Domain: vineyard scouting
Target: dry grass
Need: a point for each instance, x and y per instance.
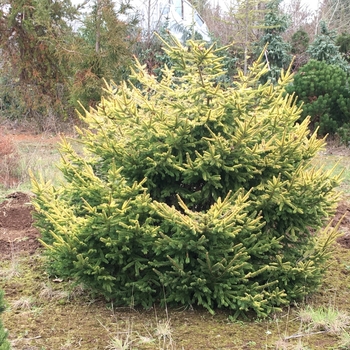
(23, 304)
(324, 319)
(9, 162)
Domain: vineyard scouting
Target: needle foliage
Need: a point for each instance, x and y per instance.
(192, 193)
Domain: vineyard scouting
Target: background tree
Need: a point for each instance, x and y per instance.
(151, 53)
(192, 192)
(250, 15)
(239, 25)
(336, 13)
(33, 70)
(219, 24)
(200, 5)
(277, 51)
(4, 344)
(343, 41)
(102, 51)
(324, 48)
(300, 17)
(323, 91)
(299, 45)
(322, 86)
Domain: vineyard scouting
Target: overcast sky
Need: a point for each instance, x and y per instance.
(311, 4)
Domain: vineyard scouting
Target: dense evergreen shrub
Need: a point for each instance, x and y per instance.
(324, 48)
(277, 50)
(343, 41)
(4, 344)
(299, 43)
(323, 91)
(191, 193)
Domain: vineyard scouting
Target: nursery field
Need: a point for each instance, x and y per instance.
(46, 312)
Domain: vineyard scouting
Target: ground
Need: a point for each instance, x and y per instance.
(17, 233)
(18, 236)
(344, 210)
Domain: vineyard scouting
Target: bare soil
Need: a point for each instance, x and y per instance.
(17, 234)
(343, 213)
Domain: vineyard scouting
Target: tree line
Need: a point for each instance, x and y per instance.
(56, 56)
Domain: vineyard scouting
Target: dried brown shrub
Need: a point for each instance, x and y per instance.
(9, 162)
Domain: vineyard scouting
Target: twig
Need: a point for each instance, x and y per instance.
(37, 337)
(303, 335)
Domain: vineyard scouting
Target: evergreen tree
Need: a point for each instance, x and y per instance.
(343, 41)
(322, 86)
(277, 50)
(324, 95)
(189, 192)
(33, 70)
(324, 48)
(102, 51)
(4, 344)
(299, 44)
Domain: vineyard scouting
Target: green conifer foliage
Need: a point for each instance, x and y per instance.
(4, 344)
(324, 48)
(191, 193)
(102, 50)
(276, 49)
(299, 42)
(322, 90)
(34, 67)
(343, 41)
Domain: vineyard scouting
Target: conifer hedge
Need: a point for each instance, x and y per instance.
(188, 192)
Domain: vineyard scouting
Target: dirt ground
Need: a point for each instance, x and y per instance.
(19, 236)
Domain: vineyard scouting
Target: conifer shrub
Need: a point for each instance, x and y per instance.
(343, 41)
(322, 91)
(191, 193)
(324, 48)
(4, 344)
(299, 41)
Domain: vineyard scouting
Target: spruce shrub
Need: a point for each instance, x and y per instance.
(4, 344)
(323, 92)
(324, 48)
(191, 193)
